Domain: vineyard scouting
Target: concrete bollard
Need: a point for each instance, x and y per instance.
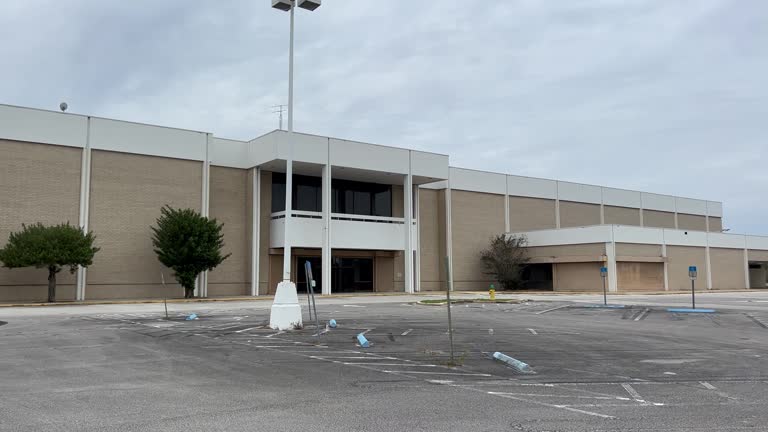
(515, 363)
(332, 323)
(363, 341)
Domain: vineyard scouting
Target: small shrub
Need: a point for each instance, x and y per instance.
(505, 259)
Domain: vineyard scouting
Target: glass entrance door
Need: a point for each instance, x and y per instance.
(317, 268)
(352, 275)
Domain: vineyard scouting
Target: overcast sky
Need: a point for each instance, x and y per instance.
(663, 96)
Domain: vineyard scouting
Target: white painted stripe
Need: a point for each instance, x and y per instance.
(275, 334)
(642, 314)
(552, 406)
(392, 364)
(357, 306)
(405, 333)
(632, 392)
(533, 331)
(245, 330)
(366, 331)
(438, 373)
(553, 309)
(708, 385)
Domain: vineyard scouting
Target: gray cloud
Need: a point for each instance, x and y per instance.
(665, 96)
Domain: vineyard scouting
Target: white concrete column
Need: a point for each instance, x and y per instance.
(666, 266)
(708, 263)
(408, 216)
(327, 251)
(747, 283)
(610, 253)
(417, 256)
(557, 205)
(288, 210)
(85, 200)
(201, 284)
(449, 233)
(506, 205)
(255, 230)
(602, 208)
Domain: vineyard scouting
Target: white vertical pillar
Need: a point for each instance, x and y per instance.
(557, 205)
(288, 211)
(610, 252)
(506, 205)
(85, 198)
(255, 230)
(708, 263)
(327, 251)
(417, 255)
(666, 260)
(449, 233)
(408, 213)
(201, 284)
(602, 208)
(747, 283)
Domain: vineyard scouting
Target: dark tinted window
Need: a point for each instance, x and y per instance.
(350, 197)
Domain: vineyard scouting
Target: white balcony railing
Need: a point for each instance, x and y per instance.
(348, 231)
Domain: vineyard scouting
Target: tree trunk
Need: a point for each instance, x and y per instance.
(51, 284)
(189, 292)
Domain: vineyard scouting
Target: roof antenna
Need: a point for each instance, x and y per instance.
(63, 106)
(279, 109)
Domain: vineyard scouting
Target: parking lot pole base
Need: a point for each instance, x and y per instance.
(687, 310)
(286, 312)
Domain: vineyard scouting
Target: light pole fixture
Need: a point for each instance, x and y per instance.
(285, 309)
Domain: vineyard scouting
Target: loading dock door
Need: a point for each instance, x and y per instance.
(640, 276)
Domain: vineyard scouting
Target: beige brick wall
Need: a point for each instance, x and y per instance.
(637, 250)
(758, 255)
(727, 268)
(658, 219)
(715, 224)
(528, 214)
(680, 257)
(384, 274)
(432, 239)
(621, 216)
(228, 204)
(640, 276)
(38, 183)
(573, 214)
(127, 192)
(691, 222)
(476, 218)
(577, 276)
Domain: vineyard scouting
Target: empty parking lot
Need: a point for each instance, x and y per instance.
(638, 368)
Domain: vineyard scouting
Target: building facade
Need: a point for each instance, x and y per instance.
(368, 218)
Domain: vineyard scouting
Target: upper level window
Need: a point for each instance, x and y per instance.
(350, 197)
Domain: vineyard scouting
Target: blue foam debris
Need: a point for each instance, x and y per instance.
(688, 310)
(511, 361)
(363, 341)
(191, 317)
(332, 323)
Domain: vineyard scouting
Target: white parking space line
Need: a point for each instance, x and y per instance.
(533, 331)
(567, 408)
(392, 364)
(275, 334)
(642, 314)
(707, 385)
(405, 333)
(245, 330)
(632, 392)
(439, 373)
(552, 309)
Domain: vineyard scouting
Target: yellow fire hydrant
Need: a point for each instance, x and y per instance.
(492, 292)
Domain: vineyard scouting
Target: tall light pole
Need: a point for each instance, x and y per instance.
(286, 312)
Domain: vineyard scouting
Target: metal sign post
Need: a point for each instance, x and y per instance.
(311, 294)
(604, 275)
(448, 299)
(692, 274)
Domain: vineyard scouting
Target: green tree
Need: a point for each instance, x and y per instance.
(52, 247)
(505, 260)
(187, 243)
